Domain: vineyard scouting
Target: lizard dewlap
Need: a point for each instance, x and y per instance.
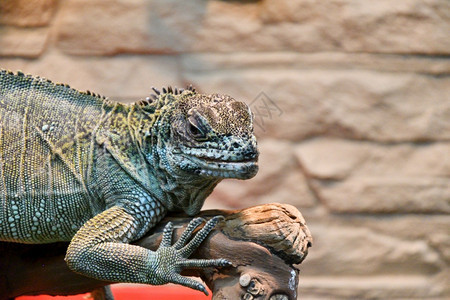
(77, 167)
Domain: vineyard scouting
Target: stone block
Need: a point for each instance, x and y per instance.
(155, 26)
(336, 159)
(352, 176)
(331, 159)
(355, 104)
(95, 27)
(433, 229)
(410, 26)
(27, 13)
(125, 78)
(382, 257)
(371, 287)
(385, 63)
(23, 42)
(387, 194)
(344, 249)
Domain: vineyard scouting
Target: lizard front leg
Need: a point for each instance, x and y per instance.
(173, 258)
(100, 250)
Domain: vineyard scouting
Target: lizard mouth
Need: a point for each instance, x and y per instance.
(222, 168)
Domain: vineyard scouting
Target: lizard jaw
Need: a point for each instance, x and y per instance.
(208, 167)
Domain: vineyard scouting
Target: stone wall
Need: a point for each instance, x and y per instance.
(352, 105)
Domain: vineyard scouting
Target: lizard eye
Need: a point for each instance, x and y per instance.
(194, 130)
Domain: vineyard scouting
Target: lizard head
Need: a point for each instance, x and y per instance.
(213, 136)
(209, 135)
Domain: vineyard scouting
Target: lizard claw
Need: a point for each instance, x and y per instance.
(171, 259)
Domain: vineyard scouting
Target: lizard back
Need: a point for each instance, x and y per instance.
(45, 135)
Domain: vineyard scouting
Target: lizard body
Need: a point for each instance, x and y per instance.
(77, 167)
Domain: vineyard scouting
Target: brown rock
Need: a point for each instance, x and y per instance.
(376, 256)
(400, 261)
(336, 159)
(231, 26)
(387, 195)
(367, 177)
(26, 13)
(331, 158)
(411, 26)
(356, 104)
(232, 62)
(435, 230)
(94, 27)
(125, 78)
(24, 42)
(349, 250)
(372, 287)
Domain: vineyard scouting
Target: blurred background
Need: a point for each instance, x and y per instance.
(352, 113)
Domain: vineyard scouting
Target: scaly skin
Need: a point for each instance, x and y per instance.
(77, 167)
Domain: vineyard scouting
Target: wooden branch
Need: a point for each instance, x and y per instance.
(264, 243)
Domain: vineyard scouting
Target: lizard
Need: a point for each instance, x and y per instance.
(78, 167)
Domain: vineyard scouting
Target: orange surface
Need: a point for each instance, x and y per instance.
(136, 292)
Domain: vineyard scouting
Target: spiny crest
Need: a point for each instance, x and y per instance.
(93, 94)
(165, 90)
(48, 81)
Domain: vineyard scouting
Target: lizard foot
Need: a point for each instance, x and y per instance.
(171, 259)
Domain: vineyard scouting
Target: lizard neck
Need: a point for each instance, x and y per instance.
(182, 190)
(138, 141)
(185, 194)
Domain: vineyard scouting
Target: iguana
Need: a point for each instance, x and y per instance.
(78, 167)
